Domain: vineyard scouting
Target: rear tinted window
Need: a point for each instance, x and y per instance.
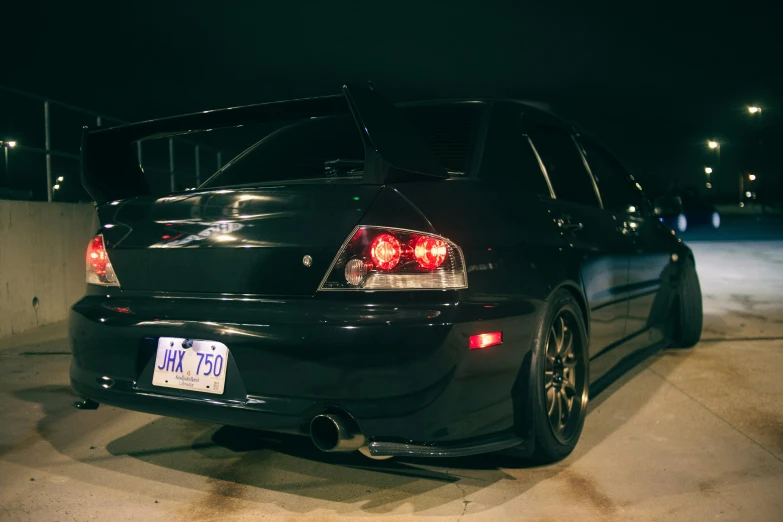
(331, 147)
(508, 159)
(564, 166)
(450, 131)
(327, 147)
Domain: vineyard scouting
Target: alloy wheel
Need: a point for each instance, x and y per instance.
(564, 384)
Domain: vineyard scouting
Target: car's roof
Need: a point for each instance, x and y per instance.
(538, 109)
(531, 105)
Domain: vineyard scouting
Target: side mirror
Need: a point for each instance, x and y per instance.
(668, 206)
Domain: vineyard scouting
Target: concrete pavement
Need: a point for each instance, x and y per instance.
(686, 434)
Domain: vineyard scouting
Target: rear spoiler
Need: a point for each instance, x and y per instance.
(394, 150)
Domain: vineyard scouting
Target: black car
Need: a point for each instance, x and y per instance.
(430, 279)
(687, 211)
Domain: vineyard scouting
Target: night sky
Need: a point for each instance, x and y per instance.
(652, 82)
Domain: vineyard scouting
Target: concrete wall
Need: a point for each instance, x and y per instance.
(42, 249)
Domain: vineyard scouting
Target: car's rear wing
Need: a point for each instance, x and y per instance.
(394, 150)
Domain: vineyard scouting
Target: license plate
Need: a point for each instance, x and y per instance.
(200, 366)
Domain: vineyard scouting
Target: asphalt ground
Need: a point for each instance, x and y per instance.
(683, 435)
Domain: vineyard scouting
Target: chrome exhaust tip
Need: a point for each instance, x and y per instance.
(86, 404)
(331, 432)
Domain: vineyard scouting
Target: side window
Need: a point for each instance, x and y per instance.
(450, 132)
(509, 160)
(564, 166)
(618, 192)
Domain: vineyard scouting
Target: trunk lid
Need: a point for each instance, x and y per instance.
(237, 241)
(297, 191)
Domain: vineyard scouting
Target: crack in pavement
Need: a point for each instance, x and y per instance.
(465, 501)
(697, 401)
(729, 339)
(44, 353)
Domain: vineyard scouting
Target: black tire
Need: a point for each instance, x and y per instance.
(688, 314)
(549, 444)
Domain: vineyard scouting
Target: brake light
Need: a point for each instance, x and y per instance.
(430, 252)
(378, 258)
(385, 251)
(485, 340)
(99, 268)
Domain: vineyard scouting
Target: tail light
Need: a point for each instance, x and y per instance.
(99, 269)
(378, 258)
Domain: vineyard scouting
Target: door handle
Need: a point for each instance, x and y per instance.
(627, 230)
(569, 226)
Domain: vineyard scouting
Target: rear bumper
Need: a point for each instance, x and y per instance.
(402, 369)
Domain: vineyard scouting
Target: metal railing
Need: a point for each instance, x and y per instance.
(64, 161)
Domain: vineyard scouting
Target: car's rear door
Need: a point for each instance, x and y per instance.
(590, 231)
(650, 250)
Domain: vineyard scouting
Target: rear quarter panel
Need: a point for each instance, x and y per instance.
(511, 244)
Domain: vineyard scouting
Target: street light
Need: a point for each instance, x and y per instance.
(708, 170)
(60, 179)
(752, 177)
(754, 110)
(7, 145)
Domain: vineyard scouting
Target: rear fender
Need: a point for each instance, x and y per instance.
(392, 209)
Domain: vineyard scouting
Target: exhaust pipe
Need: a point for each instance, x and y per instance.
(86, 404)
(333, 432)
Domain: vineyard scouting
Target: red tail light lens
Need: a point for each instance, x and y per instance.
(385, 251)
(430, 252)
(378, 258)
(99, 268)
(485, 340)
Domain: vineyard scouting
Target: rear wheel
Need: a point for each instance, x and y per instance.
(688, 315)
(560, 379)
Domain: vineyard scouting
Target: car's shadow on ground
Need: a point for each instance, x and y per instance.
(242, 463)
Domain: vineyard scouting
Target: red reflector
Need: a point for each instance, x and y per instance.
(485, 340)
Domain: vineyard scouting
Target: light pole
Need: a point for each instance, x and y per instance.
(742, 190)
(7, 145)
(752, 181)
(751, 193)
(755, 112)
(714, 145)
